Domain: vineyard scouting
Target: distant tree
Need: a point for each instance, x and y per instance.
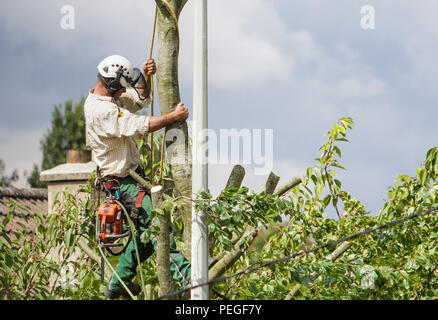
(5, 180)
(66, 132)
(34, 178)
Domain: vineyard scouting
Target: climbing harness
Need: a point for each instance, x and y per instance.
(114, 223)
(111, 221)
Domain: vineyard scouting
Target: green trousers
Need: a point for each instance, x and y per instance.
(127, 265)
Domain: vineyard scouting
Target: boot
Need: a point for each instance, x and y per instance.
(133, 287)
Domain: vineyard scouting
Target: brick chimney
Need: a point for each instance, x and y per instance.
(69, 176)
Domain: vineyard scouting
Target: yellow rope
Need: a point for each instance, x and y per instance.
(152, 95)
(175, 19)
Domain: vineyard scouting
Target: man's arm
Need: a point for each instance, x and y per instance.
(181, 113)
(149, 69)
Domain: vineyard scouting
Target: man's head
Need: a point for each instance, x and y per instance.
(116, 73)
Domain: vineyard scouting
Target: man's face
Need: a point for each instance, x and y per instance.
(119, 93)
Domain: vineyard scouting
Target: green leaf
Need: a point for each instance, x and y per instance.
(168, 205)
(67, 237)
(326, 200)
(158, 212)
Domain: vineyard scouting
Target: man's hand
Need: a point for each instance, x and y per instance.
(181, 113)
(144, 87)
(149, 67)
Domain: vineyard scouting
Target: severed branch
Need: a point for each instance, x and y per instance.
(281, 191)
(234, 180)
(332, 257)
(145, 184)
(230, 258)
(93, 256)
(236, 177)
(271, 183)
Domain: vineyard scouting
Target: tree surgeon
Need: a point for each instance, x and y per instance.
(112, 130)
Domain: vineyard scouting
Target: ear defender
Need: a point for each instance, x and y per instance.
(114, 84)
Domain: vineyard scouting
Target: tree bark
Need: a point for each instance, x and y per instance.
(96, 258)
(271, 183)
(163, 245)
(287, 186)
(236, 177)
(177, 138)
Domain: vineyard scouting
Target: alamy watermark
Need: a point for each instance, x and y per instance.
(68, 18)
(368, 20)
(254, 147)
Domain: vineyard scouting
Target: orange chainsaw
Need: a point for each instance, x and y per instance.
(111, 226)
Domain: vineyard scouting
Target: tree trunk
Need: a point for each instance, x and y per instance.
(163, 245)
(177, 138)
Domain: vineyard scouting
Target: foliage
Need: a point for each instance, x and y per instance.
(396, 263)
(67, 132)
(160, 168)
(399, 262)
(37, 265)
(6, 180)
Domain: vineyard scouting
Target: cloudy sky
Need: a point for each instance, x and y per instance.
(292, 66)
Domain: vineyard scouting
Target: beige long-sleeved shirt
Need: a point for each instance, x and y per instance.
(112, 130)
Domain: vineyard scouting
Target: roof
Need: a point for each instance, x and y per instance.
(69, 172)
(33, 199)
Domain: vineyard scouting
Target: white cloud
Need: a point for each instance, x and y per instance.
(244, 49)
(298, 73)
(359, 86)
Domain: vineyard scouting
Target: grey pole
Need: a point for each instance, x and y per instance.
(199, 272)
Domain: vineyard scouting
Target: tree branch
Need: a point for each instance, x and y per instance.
(287, 186)
(339, 251)
(236, 177)
(271, 183)
(95, 257)
(230, 258)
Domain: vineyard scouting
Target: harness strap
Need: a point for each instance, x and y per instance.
(140, 196)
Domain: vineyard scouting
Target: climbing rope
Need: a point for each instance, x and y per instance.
(131, 226)
(162, 4)
(111, 267)
(152, 95)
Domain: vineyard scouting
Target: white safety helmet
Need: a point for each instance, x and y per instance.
(118, 68)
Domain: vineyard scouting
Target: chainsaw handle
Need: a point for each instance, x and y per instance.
(118, 236)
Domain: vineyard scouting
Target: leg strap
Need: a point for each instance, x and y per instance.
(140, 196)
